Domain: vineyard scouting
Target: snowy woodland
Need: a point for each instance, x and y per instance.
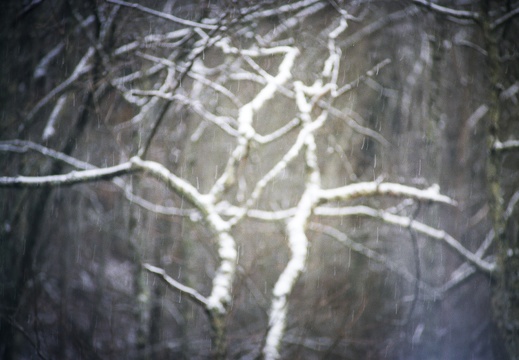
(301, 179)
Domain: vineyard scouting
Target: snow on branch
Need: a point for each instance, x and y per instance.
(280, 10)
(373, 255)
(285, 129)
(151, 39)
(163, 15)
(370, 73)
(22, 146)
(298, 243)
(510, 145)
(506, 17)
(308, 8)
(407, 222)
(41, 69)
(296, 226)
(82, 68)
(247, 111)
(225, 123)
(290, 155)
(50, 130)
(220, 296)
(190, 292)
(180, 186)
(357, 190)
(460, 14)
(217, 87)
(222, 283)
(71, 178)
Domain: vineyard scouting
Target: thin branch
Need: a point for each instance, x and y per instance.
(41, 69)
(309, 7)
(74, 177)
(285, 129)
(370, 73)
(404, 221)
(33, 343)
(225, 123)
(417, 264)
(349, 118)
(82, 68)
(193, 214)
(190, 292)
(154, 39)
(363, 189)
(373, 255)
(162, 15)
(459, 14)
(22, 146)
(380, 24)
(198, 48)
(219, 88)
(50, 130)
(503, 19)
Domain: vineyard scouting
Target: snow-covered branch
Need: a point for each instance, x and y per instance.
(247, 111)
(296, 226)
(460, 14)
(364, 189)
(505, 18)
(291, 154)
(21, 146)
(419, 227)
(298, 243)
(71, 178)
(192, 293)
(180, 186)
(363, 250)
(510, 145)
(162, 15)
(83, 66)
(222, 282)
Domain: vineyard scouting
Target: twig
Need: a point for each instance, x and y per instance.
(373, 255)
(459, 14)
(162, 15)
(482, 265)
(27, 336)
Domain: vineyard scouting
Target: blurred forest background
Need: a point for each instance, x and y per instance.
(136, 266)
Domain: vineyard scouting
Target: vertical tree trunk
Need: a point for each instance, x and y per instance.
(506, 287)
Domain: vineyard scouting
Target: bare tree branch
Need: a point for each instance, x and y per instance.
(459, 14)
(162, 15)
(506, 17)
